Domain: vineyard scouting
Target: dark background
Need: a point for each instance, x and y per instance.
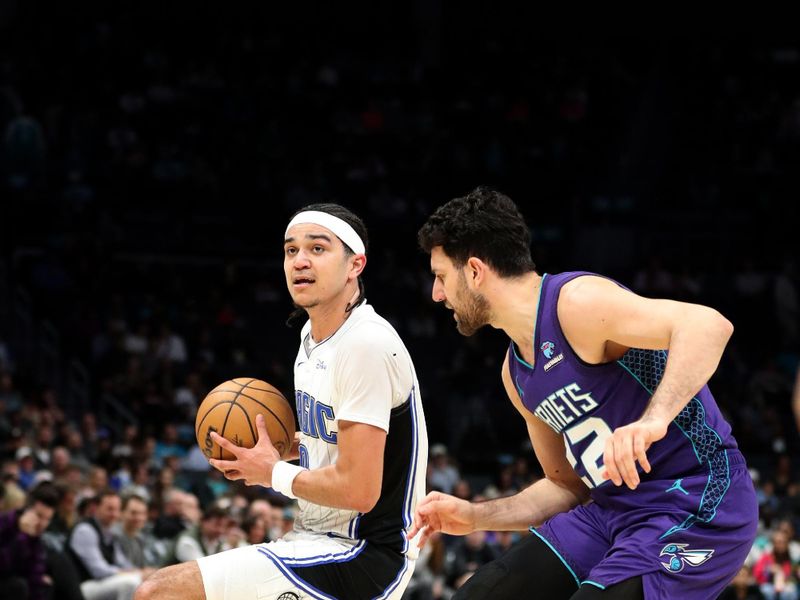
(151, 156)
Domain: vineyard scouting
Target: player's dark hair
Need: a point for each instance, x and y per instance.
(485, 224)
(46, 493)
(349, 217)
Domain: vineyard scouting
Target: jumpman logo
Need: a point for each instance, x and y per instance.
(677, 486)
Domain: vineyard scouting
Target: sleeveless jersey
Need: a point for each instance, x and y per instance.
(362, 373)
(586, 403)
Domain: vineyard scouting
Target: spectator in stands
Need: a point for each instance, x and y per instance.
(135, 545)
(775, 572)
(13, 496)
(105, 571)
(190, 509)
(442, 475)
(22, 553)
(743, 587)
(170, 522)
(59, 463)
(168, 444)
(66, 512)
(470, 553)
(255, 530)
(27, 469)
(204, 539)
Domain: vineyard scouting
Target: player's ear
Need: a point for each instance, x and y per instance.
(475, 271)
(359, 262)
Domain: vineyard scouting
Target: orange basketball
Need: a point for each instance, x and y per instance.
(230, 409)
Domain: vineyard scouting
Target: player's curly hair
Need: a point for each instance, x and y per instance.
(352, 219)
(485, 224)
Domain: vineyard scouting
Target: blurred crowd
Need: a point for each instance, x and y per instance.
(146, 181)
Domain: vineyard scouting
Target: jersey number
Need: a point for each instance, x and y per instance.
(303, 456)
(592, 457)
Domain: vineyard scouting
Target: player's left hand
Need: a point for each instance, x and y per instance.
(626, 446)
(255, 464)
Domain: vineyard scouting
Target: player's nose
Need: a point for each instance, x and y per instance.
(437, 293)
(302, 260)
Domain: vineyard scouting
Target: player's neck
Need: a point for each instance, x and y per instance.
(515, 307)
(326, 318)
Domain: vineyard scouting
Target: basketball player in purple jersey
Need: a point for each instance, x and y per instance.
(645, 493)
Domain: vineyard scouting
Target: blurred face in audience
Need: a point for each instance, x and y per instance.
(134, 516)
(261, 508)
(41, 515)
(166, 478)
(74, 476)
(190, 508)
(214, 528)
(108, 510)
(780, 544)
(75, 440)
(173, 503)
(45, 437)
(98, 479)
(257, 532)
(786, 528)
(60, 459)
(26, 464)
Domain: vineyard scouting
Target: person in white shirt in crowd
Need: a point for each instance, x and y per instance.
(105, 571)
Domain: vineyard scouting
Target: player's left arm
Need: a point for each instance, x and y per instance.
(354, 481)
(600, 319)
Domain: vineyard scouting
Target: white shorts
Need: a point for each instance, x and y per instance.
(305, 565)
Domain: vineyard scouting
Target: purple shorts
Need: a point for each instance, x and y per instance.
(687, 538)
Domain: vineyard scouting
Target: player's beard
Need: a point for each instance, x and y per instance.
(473, 312)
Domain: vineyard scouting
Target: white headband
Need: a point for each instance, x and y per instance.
(341, 228)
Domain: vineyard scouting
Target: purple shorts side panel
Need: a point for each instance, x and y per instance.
(636, 534)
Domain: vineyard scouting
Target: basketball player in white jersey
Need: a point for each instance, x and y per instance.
(362, 443)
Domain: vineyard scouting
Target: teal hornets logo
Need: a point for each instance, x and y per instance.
(679, 557)
(547, 349)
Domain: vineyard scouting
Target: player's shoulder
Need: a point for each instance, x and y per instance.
(583, 292)
(369, 329)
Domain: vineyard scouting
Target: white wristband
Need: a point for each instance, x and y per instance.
(283, 474)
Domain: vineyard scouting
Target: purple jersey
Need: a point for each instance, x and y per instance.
(628, 532)
(586, 403)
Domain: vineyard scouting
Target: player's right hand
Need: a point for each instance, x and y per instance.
(442, 512)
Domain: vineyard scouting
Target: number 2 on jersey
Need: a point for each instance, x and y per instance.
(592, 456)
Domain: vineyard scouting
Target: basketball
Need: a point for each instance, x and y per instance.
(230, 410)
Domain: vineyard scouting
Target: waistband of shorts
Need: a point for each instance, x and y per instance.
(736, 458)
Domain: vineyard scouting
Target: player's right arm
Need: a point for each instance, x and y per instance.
(560, 490)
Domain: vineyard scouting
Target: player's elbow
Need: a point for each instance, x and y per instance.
(725, 327)
(713, 323)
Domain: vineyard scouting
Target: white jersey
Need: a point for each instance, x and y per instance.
(362, 373)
